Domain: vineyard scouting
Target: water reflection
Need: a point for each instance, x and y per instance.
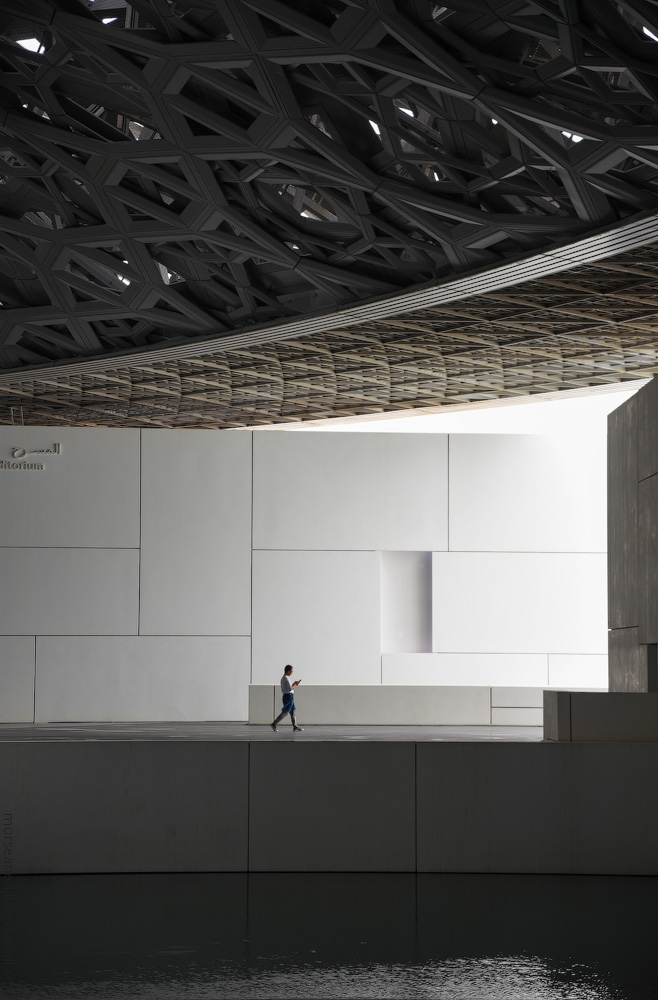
(452, 937)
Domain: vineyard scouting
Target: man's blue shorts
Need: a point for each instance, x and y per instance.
(288, 703)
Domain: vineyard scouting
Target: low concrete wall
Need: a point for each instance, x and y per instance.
(330, 806)
(396, 705)
(594, 717)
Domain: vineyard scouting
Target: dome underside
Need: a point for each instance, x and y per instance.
(175, 171)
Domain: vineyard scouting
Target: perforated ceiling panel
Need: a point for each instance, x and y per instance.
(593, 325)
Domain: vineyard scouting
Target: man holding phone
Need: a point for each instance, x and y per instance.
(288, 689)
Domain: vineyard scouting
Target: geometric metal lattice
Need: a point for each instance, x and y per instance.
(590, 326)
(176, 169)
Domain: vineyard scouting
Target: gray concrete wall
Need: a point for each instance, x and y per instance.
(567, 808)
(600, 717)
(121, 807)
(331, 806)
(633, 542)
(622, 516)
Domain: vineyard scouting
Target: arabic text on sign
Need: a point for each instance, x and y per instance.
(21, 452)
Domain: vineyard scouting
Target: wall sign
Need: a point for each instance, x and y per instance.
(19, 455)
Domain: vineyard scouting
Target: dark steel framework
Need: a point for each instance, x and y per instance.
(593, 325)
(176, 169)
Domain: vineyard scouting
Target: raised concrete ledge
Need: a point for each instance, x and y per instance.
(600, 717)
(378, 705)
(397, 705)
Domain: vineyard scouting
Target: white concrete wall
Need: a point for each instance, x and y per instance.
(17, 667)
(69, 591)
(331, 491)
(403, 704)
(196, 533)
(125, 575)
(133, 678)
(87, 496)
(153, 574)
(527, 493)
(509, 669)
(318, 611)
(502, 602)
(585, 671)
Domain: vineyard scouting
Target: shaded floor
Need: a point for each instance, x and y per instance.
(238, 731)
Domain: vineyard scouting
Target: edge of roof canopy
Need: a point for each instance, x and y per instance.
(608, 242)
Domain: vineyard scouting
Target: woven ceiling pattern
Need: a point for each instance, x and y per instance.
(175, 169)
(593, 325)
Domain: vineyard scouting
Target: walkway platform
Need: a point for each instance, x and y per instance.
(228, 732)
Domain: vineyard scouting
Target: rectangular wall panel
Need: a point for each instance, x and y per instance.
(16, 678)
(196, 532)
(578, 671)
(614, 717)
(86, 495)
(68, 591)
(325, 793)
(142, 678)
(380, 705)
(519, 602)
(517, 697)
(491, 807)
(350, 491)
(517, 716)
(601, 716)
(537, 808)
(522, 493)
(611, 782)
(648, 560)
(318, 611)
(414, 497)
(623, 515)
(128, 806)
(528, 669)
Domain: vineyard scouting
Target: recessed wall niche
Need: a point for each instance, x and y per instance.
(406, 602)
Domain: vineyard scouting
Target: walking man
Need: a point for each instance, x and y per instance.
(288, 689)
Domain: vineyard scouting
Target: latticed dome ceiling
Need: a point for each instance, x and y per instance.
(174, 171)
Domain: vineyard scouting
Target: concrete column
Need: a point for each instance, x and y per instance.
(633, 543)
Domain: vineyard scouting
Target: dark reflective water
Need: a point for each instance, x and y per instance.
(453, 937)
